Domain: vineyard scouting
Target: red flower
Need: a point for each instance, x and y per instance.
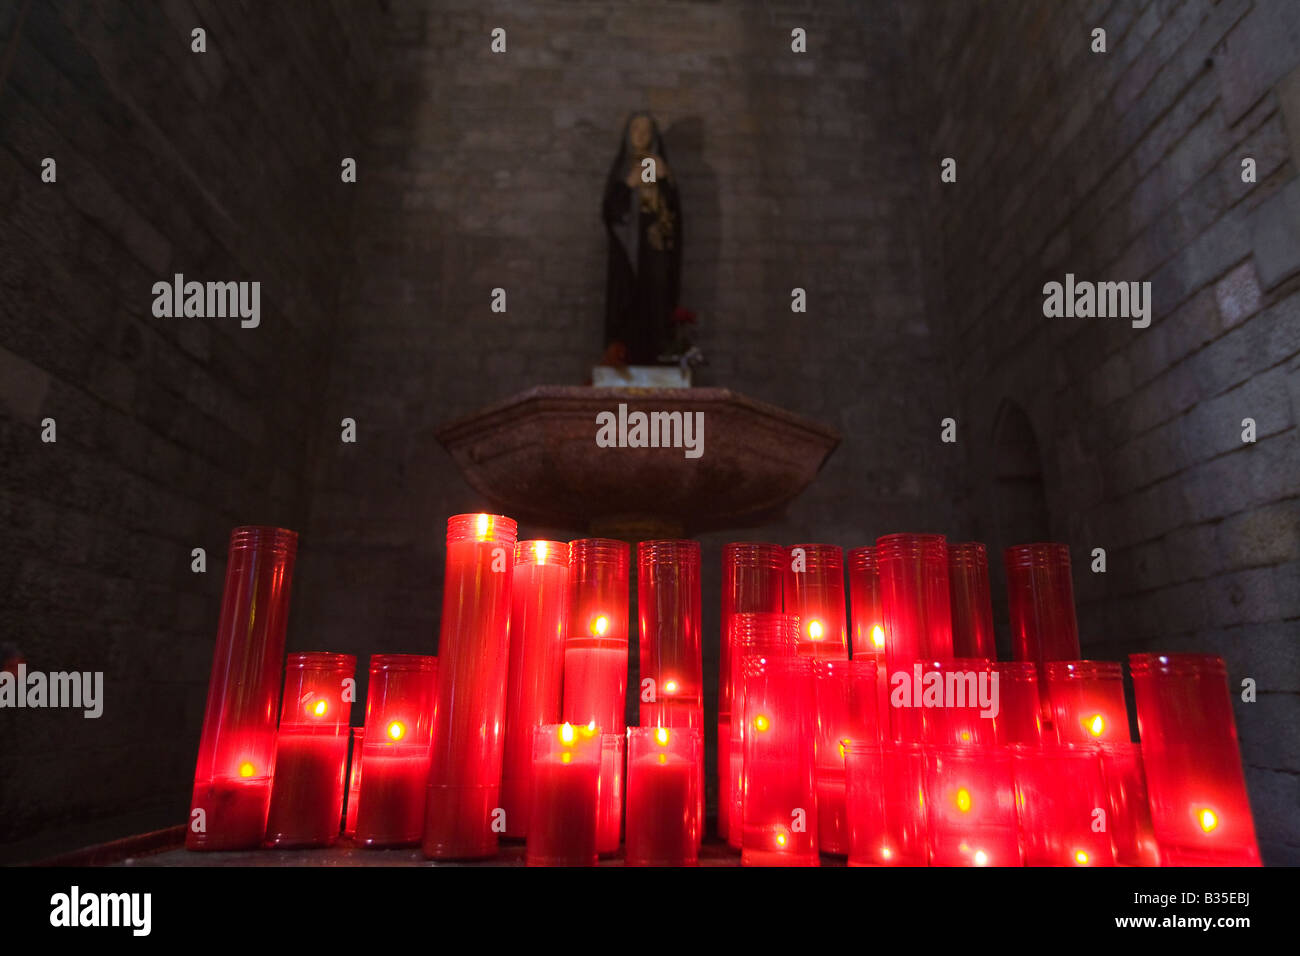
(683, 316)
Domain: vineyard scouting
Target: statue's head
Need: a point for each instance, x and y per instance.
(640, 132)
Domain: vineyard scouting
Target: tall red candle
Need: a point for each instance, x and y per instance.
(971, 600)
(1063, 806)
(1087, 701)
(780, 803)
(401, 702)
(236, 762)
(596, 649)
(885, 804)
(473, 663)
(971, 807)
(538, 614)
(1019, 719)
(761, 635)
(1040, 606)
(312, 750)
(662, 778)
(566, 785)
(1199, 805)
(354, 781)
(752, 582)
(915, 602)
(867, 623)
(609, 812)
(668, 605)
(814, 592)
(1131, 829)
(845, 696)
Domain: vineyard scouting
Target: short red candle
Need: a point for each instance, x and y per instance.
(885, 805)
(473, 664)
(915, 602)
(1019, 719)
(1040, 606)
(1199, 805)
(780, 802)
(752, 582)
(662, 779)
(867, 623)
(845, 695)
(401, 701)
(566, 787)
(814, 592)
(609, 825)
(312, 750)
(1087, 701)
(538, 614)
(354, 781)
(971, 807)
(1130, 813)
(971, 600)
(760, 634)
(1063, 806)
(236, 762)
(970, 702)
(596, 649)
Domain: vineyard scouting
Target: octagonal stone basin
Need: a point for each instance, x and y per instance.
(535, 457)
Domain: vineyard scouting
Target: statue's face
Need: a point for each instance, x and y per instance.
(639, 133)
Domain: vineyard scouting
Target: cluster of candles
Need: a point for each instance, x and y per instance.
(890, 736)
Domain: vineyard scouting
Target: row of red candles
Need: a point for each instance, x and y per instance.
(893, 784)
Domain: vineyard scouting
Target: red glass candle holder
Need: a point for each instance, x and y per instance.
(845, 696)
(354, 781)
(538, 613)
(566, 789)
(752, 582)
(814, 592)
(761, 635)
(1131, 830)
(1040, 606)
(867, 624)
(596, 649)
(780, 802)
(662, 780)
(885, 805)
(1063, 806)
(968, 695)
(1087, 701)
(236, 762)
(915, 602)
(311, 754)
(971, 601)
(1197, 790)
(609, 828)
(473, 655)
(668, 604)
(1020, 717)
(971, 807)
(400, 704)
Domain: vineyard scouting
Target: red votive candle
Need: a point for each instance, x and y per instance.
(662, 779)
(400, 705)
(845, 695)
(596, 649)
(473, 663)
(354, 782)
(1040, 606)
(566, 788)
(972, 807)
(1063, 806)
(311, 754)
(814, 592)
(1130, 813)
(867, 623)
(752, 582)
(668, 604)
(762, 635)
(609, 825)
(1087, 701)
(1195, 783)
(959, 701)
(1019, 719)
(780, 801)
(886, 804)
(971, 600)
(236, 763)
(914, 599)
(538, 612)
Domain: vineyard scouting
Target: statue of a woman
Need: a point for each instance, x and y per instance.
(644, 223)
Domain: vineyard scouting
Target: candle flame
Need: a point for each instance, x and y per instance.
(1208, 819)
(761, 724)
(246, 769)
(663, 759)
(844, 743)
(981, 858)
(539, 551)
(878, 636)
(566, 757)
(600, 625)
(963, 800)
(320, 708)
(396, 730)
(670, 687)
(781, 839)
(661, 735)
(566, 733)
(815, 630)
(1080, 857)
(886, 853)
(484, 526)
(1095, 725)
